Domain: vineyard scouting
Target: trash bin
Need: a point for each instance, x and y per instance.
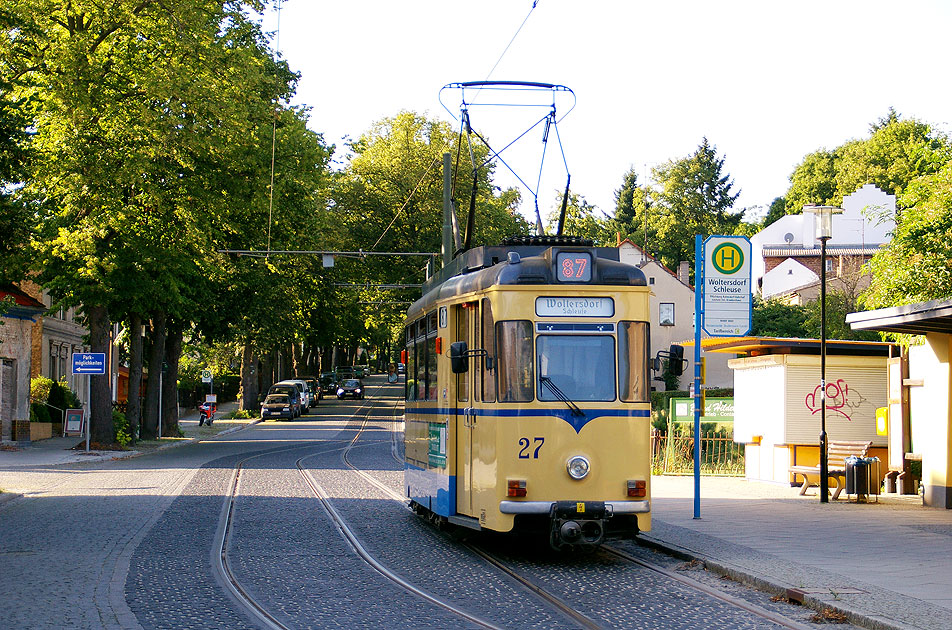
(857, 476)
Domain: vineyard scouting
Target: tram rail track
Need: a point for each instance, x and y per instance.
(566, 608)
(363, 416)
(261, 611)
(220, 561)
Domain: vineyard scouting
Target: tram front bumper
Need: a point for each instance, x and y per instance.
(545, 507)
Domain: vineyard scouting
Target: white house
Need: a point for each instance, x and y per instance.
(865, 225)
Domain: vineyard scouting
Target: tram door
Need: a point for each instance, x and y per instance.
(465, 419)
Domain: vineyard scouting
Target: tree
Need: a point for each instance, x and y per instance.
(777, 210)
(389, 198)
(896, 153)
(916, 265)
(582, 219)
(631, 210)
(773, 318)
(16, 220)
(135, 105)
(695, 198)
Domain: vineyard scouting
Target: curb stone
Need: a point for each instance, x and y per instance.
(761, 584)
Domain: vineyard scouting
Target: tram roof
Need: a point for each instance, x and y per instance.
(755, 346)
(483, 267)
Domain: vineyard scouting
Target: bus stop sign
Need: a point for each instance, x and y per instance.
(727, 296)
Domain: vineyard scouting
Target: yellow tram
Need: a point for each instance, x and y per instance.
(527, 393)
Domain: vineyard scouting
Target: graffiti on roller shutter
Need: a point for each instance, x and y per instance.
(839, 399)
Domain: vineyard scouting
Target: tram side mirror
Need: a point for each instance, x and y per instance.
(656, 364)
(490, 363)
(458, 360)
(676, 359)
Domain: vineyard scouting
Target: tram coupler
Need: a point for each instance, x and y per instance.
(577, 523)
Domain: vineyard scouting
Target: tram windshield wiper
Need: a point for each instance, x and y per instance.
(558, 393)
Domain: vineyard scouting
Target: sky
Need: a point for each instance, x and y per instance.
(766, 82)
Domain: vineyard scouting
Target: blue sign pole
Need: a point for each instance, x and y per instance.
(698, 319)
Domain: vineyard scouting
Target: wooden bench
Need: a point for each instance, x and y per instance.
(837, 452)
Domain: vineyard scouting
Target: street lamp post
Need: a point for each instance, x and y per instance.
(824, 231)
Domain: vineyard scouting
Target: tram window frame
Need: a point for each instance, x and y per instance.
(421, 362)
(572, 378)
(488, 341)
(431, 378)
(629, 388)
(409, 384)
(462, 334)
(510, 362)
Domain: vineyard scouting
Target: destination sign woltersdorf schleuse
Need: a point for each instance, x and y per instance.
(727, 286)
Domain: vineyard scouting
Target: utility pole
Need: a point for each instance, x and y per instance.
(447, 210)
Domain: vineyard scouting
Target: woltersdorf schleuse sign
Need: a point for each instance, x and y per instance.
(727, 287)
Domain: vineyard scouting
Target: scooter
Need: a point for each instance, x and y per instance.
(206, 413)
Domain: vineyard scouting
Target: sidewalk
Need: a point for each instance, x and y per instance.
(885, 565)
(59, 450)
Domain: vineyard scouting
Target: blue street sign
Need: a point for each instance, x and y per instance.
(89, 363)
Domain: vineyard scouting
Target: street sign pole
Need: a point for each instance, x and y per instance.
(89, 407)
(89, 363)
(723, 307)
(698, 319)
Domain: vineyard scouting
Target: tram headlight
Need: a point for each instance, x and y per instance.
(577, 467)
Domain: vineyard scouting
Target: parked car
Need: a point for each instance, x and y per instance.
(314, 387)
(294, 396)
(306, 401)
(350, 387)
(345, 372)
(277, 406)
(328, 383)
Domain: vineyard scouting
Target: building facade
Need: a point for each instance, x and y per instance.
(786, 255)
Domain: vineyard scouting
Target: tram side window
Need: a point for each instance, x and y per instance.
(489, 344)
(420, 372)
(428, 328)
(410, 384)
(514, 365)
(462, 334)
(633, 361)
(431, 382)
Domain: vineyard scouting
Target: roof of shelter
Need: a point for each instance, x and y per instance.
(912, 319)
(756, 346)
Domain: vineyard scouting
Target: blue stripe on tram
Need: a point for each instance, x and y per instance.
(577, 422)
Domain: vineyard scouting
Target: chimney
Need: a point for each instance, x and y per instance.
(684, 272)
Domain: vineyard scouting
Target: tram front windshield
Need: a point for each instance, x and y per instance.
(581, 366)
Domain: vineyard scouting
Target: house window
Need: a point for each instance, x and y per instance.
(666, 314)
(650, 280)
(829, 265)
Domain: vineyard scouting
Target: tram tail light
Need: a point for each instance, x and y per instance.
(637, 488)
(517, 488)
(439, 345)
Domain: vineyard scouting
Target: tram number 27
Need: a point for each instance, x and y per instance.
(527, 451)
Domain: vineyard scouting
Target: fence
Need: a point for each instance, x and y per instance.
(674, 454)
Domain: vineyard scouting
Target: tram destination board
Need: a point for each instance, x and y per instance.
(727, 288)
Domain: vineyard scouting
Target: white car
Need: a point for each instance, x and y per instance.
(306, 402)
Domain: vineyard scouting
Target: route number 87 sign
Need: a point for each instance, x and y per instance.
(574, 266)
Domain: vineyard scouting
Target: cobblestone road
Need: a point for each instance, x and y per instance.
(131, 544)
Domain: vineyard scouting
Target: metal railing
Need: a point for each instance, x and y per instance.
(674, 454)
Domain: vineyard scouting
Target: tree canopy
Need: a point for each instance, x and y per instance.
(696, 197)
(916, 265)
(897, 152)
